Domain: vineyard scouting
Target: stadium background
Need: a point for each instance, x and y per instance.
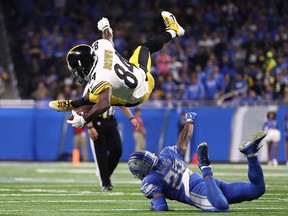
(229, 47)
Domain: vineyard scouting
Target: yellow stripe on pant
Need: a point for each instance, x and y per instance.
(145, 58)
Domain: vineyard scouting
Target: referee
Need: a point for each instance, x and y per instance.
(106, 144)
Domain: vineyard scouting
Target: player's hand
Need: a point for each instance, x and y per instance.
(135, 123)
(78, 121)
(103, 24)
(190, 117)
(93, 134)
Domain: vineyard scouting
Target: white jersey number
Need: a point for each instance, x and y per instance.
(126, 74)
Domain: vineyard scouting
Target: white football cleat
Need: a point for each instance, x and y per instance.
(61, 105)
(171, 23)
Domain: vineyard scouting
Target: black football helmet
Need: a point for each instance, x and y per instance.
(81, 61)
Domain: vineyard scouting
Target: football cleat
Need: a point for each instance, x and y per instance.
(171, 23)
(107, 188)
(251, 147)
(203, 157)
(61, 105)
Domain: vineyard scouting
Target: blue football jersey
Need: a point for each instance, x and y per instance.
(175, 181)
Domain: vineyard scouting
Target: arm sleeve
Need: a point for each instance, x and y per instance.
(159, 204)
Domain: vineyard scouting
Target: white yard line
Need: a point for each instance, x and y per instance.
(123, 209)
(53, 180)
(73, 201)
(70, 194)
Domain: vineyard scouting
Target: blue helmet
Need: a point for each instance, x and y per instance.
(141, 163)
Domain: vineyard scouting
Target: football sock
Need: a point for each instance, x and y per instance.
(172, 32)
(206, 171)
(157, 42)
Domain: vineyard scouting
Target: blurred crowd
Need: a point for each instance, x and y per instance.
(231, 47)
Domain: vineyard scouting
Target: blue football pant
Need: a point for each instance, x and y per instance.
(238, 192)
(220, 194)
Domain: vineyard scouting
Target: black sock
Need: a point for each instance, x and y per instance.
(157, 42)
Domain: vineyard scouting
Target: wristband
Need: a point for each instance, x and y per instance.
(132, 118)
(109, 29)
(90, 127)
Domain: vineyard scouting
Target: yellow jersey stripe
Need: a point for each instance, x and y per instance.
(100, 87)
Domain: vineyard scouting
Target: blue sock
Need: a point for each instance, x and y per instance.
(206, 171)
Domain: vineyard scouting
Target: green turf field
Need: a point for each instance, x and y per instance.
(63, 189)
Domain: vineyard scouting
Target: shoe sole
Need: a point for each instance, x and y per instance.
(203, 146)
(256, 137)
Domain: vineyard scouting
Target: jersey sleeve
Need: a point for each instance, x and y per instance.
(102, 43)
(151, 186)
(97, 89)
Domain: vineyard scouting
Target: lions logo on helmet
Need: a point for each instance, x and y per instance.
(141, 163)
(81, 61)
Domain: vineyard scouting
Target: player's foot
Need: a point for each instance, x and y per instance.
(274, 162)
(203, 157)
(251, 147)
(61, 105)
(107, 188)
(171, 23)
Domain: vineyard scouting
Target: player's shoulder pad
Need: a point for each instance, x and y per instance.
(167, 150)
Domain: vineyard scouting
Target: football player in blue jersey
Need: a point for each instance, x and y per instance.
(168, 177)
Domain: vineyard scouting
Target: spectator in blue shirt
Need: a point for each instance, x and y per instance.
(195, 89)
(212, 87)
(169, 86)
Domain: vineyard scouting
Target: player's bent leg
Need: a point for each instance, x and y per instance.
(173, 29)
(207, 200)
(246, 191)
(141, 58)
(256, 177)
(151, 84)
(214, 194)
(238, 192)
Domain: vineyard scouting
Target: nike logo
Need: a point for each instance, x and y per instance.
(173, 18)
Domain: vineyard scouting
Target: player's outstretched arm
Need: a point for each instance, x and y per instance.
(107, 32)
(129, 115)
(186, 133)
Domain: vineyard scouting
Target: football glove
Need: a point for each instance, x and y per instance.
(103, 24)
(190, 117)
(78, 121)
